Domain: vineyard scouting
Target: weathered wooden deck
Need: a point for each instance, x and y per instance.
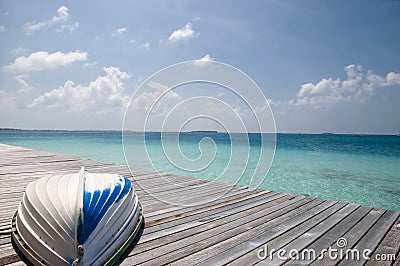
(230, 230)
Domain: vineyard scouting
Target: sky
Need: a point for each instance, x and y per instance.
(324, 66)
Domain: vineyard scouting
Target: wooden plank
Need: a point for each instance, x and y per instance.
(250, 201)
(293, 234)
(152, 186)
(397, 262)
(200, 210)
(247, 259)
(154, 234)
(314, 233)
(182, 204)
(243, 248)
(353, 235)
(199, 188)
(390, 246)
(8, 257)
(373, 237)
(201, 230)
(179, 195)
(17, 263)
(194, 198)
(163, 214)
(330, 237)
(209, 234)
(6, 240)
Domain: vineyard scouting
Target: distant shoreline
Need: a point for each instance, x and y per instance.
(196, 131)
(204, 131)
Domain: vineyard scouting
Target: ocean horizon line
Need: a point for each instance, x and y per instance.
(201, 131)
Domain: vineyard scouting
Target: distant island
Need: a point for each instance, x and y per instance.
(10, 129)
(203, 131)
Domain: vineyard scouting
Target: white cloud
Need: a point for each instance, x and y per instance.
(61, 18)
(62, 15)
(322, 88)
(40, 61)
(19, 51)
(24, 86)
(145, 45)
(102, 95)
(271, 102)
(206, 58)
(123, 34)
(183, 34)
(144, 101)
(68, 27)
(18, 97)
(392, 79)
(2, 28)
(323, 93)
(120, 30)
(90, 64)
(357, 85)
(161, 88)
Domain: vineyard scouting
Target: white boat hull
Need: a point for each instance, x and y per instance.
(78, 219)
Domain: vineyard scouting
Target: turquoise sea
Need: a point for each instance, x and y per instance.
(363, 169)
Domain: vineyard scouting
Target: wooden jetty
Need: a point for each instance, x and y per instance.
(186, 223)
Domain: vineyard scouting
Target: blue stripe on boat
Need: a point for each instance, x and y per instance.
(127, 188)
(96, 205)
(80, 227)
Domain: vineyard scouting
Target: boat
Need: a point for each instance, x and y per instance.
(77, 219)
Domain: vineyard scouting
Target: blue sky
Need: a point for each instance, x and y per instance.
(324, 66)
